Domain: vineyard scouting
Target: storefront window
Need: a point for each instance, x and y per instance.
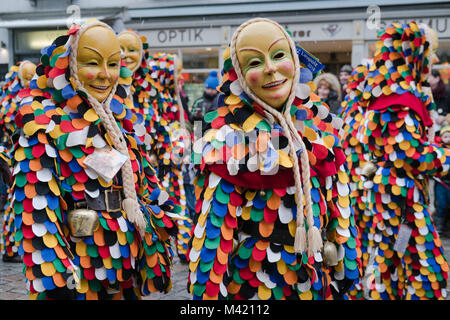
(28, 43)
(197, 63)
(332, 54)
(33, 41)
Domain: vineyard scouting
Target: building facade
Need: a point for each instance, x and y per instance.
(336, 32)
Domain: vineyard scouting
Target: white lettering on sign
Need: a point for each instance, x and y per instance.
(184, 37)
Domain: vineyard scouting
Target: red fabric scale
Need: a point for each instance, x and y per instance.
(270, 215)
(112, 224)
(89, 273)
(211, 288)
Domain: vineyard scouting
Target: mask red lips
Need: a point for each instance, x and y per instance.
(274, 84)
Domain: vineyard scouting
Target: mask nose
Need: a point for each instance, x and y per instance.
(270, 67)
(104, 73)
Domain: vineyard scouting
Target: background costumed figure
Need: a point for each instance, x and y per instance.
(391, 155)
(16, 88)
(84, 232)
(154, 96)
(270, 142)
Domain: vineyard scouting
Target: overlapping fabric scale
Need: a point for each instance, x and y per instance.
(12, 94)
(242, 244)
(9, 246)
(154, 98)
(392, 136)
(60, 129)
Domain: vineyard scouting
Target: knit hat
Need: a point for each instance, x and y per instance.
(346, 68)
(212, 81)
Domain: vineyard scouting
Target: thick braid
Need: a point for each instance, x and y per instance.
(177, 95)
(314, 241)
(130, 203)
(314, 237)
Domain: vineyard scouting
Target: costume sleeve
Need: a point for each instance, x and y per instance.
(212, 239)
(156, 254)
(330, 181)
(397, 135)
(342, 231)
(39, 184)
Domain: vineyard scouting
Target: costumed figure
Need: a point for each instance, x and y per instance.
(91, 218)
(154, 95)
(16, 88)
(273, 212)
(390, 151)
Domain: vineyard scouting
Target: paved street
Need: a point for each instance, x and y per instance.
(12, 283)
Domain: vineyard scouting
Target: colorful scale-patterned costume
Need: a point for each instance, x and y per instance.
(169, 146)
(12, 93)
(243, 239)
(59, 129)
(153, 94)
(10, 99)
(386, 115)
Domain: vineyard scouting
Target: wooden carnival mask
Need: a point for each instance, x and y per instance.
(27, 71)
(98, 59)
(131, 47)
(266, 62)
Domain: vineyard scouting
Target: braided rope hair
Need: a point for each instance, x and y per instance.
(130, 203)
(177, 61)
(310, 241)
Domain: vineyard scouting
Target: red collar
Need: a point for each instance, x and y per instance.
(406, 99)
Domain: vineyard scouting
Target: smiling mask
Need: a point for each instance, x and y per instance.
(266, 62)
(98, 61)
(27, 69)
(131, 47)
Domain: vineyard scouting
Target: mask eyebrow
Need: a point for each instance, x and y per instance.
(118, 51)
(97, 52)
(273, 43)
(250, 49)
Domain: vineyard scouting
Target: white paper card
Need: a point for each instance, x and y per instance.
(106, 162)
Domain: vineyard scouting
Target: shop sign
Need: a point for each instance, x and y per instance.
(321, 31)
(184, 37)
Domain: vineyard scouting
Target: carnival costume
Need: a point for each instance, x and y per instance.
(390, 158)
(14, 90)
(252, 238)
(123, 250)
(154, 95)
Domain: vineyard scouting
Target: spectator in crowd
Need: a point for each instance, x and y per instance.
(440, 95)
(344, 74)
(208, 101)
(329, 91)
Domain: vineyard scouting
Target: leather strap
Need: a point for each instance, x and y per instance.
(108, 200)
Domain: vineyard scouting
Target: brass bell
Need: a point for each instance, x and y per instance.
(82, 222)
(330, 254)
(368, 171)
